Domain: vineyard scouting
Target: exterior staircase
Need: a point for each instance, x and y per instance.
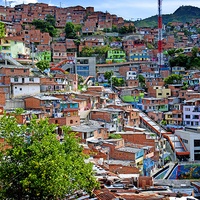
(11, 60)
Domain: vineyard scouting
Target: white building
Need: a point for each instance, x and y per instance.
(21, 86)
(191, 112)
(131, 75)
(191, 139)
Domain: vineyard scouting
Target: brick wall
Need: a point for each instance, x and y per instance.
(121, 155)
(32, 103)
(132, 83)
(14, 71)
(138, 139)
(2, 98)
(95, 115)
(123, 169)
(61, 121)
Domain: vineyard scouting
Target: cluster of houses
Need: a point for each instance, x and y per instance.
(127, 130)
(23, 41)
(111, 131)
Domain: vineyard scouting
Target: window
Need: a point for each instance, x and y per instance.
(196, 143)
(185, 141)
(187, 109)
(15, 79)
(31, 79)
(159, 94)
(71, 121)
(12, 70)
(187, 116)
(25, 70)
(20, 89)
(195, 116)
(91, 134)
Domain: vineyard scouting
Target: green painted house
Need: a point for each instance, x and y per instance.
(116, 56)
(45, 55)
(13, 48)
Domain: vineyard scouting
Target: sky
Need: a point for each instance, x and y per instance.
(128, 9)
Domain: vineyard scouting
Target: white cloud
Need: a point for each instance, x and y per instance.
(13, 3)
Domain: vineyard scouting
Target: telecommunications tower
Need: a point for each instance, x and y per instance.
(160, 53)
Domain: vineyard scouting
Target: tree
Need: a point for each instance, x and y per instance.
(47, 25)
(131, 29)
(117, 81)
(51, 20)
(123, 30)
(87, 51)
(70, 30)
(77, 28)
(114, 28)
(43, 64)
(37, 166)
(108, 75)
(173, 79)
(141, 80)
(77, 42)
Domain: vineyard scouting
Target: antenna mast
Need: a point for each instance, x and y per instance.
(160, 53)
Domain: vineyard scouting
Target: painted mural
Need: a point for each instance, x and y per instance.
(190, 171)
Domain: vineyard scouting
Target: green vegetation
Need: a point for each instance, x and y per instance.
(98, 51)
(163, 122)
(114, 136)
(71, 30)
(108, 75)
(47, 25)
(173, 79)
(2, 30)
(178, 58)
(141, 80)
(182, 14)
(117, 81)
(43, 64)
(37, 166)
(185, 86)
(121, 30)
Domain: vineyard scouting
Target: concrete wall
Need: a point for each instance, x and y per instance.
(17, 103)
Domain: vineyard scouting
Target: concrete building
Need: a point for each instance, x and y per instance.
(23, 86)
(86, 66)
(191, 112)
(190, 136)
(13, 47)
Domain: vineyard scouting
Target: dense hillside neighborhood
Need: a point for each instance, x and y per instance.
(97, 76)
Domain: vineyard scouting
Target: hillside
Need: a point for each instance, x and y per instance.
(182, 14)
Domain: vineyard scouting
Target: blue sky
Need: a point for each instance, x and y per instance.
(128, 9)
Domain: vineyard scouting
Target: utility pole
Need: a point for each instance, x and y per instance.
(32, 49)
